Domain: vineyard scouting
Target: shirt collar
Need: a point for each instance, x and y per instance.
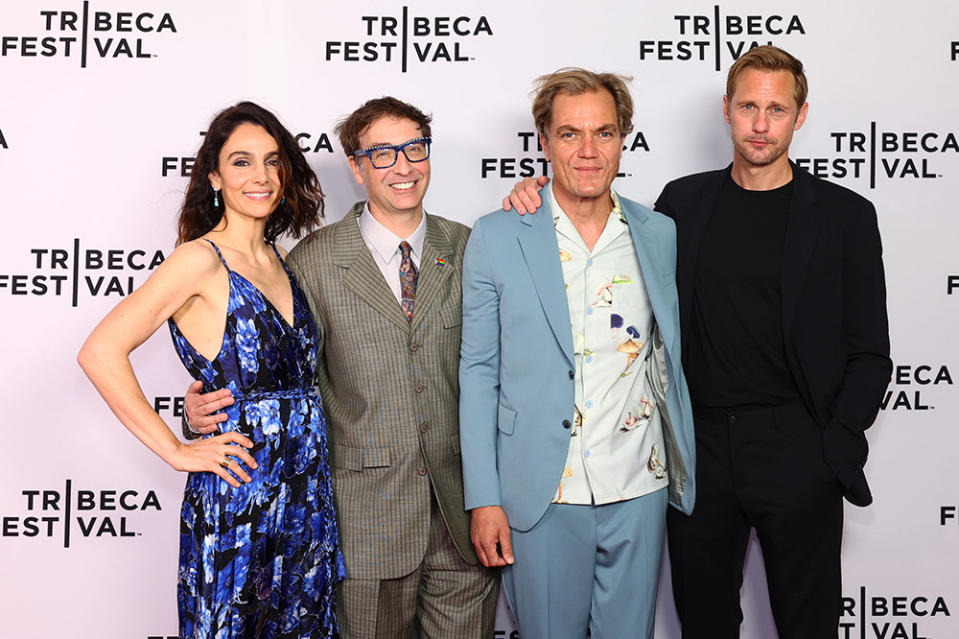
(385, 242)
(564, 225)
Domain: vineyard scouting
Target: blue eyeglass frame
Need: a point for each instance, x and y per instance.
(397, 148)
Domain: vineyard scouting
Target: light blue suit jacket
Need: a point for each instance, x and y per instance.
(516, 361)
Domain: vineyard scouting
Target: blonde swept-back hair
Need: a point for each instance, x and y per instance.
(576, 81)
(769, 58)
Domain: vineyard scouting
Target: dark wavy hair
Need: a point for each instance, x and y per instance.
(299, 213)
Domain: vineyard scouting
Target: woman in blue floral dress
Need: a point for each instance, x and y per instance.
(259, 548)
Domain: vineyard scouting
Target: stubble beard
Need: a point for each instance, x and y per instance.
(760, 158)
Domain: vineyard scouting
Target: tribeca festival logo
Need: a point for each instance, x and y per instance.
(910, 383)
(722, 38)
(954, 50)
(952, 284)
(890, 617)
(70, 513)
(411, 39)
(169, 405)
(3, 141)
(948, 516)
(182, 166)
(531, 163)
(875, 154)
(89, 33)
(81, 272)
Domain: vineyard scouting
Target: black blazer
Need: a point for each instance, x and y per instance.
(833, 305)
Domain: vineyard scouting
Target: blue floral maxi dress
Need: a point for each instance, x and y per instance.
(261, 561)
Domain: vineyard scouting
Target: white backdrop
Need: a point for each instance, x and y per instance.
(104, 103)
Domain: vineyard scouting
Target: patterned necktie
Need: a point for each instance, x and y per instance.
(408, 276)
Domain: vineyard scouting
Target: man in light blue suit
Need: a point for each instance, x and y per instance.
(575, 420)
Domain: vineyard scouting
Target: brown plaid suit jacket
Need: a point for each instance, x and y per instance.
(390, 390)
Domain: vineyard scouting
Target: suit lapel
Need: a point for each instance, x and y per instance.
(433, 274)
(690, 231)
(649, 255)
(802, 227)
(364, 278)
(541, 251)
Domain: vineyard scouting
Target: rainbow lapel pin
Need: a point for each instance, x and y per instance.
(440, 262)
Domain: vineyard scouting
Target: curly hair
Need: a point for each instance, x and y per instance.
(302, 208)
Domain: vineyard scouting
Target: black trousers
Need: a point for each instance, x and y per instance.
(761, 469)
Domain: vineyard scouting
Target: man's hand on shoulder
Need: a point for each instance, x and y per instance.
(524, 197)
(489, 532)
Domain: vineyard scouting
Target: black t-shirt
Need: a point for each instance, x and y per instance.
(736, 352)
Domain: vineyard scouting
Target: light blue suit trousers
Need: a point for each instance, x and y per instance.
(517, 372)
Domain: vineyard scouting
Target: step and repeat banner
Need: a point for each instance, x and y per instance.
(104, 104)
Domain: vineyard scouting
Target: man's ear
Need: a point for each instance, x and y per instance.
(801, 116)
(357, 171)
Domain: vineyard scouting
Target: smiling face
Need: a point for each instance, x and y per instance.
(396, 191)
(762, 115)
(584, 146)
(248, 172)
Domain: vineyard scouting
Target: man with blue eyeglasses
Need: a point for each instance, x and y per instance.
(384, 288)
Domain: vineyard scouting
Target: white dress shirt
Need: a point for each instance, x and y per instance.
(384, 245)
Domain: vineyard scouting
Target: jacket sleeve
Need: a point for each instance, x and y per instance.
(865, 330)
(479, 375)
(662, 204)
(188, 433)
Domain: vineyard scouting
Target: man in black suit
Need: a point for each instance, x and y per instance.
(786, 347)
(786, 351)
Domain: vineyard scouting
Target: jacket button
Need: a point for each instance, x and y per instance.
(418, 388)
(566, 423)
(414, 346)
(572, 374)
(421, 471)
(424, 427)
(732, 419)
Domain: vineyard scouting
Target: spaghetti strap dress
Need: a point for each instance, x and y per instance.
(262, 560)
